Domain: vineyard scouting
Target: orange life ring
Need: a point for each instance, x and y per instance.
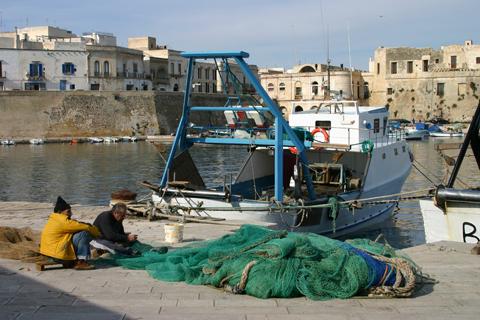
(326, 136)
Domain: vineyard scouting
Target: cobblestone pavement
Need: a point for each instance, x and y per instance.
(115, 293)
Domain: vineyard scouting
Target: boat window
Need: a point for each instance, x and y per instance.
(376, 125)
(323, 124)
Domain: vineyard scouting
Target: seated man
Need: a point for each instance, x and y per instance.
(65, 240)
(113, 237)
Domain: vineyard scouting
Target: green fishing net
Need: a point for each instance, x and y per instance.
(285, 264)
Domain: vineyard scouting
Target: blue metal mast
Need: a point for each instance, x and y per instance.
(281, 125)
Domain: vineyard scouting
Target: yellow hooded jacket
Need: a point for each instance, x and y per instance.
(56, 240)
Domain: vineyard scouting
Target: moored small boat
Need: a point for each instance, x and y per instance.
(95, 140)
(7, 142)
(36, 141)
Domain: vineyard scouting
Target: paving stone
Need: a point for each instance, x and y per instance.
(116, 293)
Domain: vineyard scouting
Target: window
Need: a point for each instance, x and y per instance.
(63, 85)
(376, 125)
(453, 62)
(315, 88)
(270, 87)
(214, 74)
(35, 86)
(135, 68)
(199, 87)
(298, 109)
(244, 80)
(437, 60)
(179, 66)
(72, 87)
(358, 90)
(199, 73)
(298, 90)
(378, 68)
(106, 68)
(477, 60)
(281, 86)
(389, 91)
(207, 86)
(95, 86)
(409, 66)
(440, 89)
(175, 87)
(125, 68)
(68, 68)
(36, 70)
(366, 92)
(425, 66)
(283, 110)
(393, 68)
(172, 68)
(96, 68)
(214, 88)
(327, 125)
(3, 76)
(129, 87)
(462, 89)
(385, 124)
(207, 74)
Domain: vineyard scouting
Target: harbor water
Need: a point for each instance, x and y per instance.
(88, 173)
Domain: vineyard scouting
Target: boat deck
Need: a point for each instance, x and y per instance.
(115, 293)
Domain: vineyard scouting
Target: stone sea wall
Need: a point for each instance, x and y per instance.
(85, 113)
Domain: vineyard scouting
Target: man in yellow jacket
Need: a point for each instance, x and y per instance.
(67, 240)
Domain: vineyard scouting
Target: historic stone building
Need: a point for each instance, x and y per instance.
(422, 83)
(50, 58)
(306, 85)
(207, 78)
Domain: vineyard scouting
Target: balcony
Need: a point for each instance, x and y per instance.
(35, 77)
(131, 75)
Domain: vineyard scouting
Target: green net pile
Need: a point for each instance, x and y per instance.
(286, 264)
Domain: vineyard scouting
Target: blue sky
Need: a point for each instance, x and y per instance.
(276, 33)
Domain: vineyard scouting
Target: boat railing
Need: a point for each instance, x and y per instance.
(356, 136)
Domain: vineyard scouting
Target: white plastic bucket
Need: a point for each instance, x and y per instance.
(173, 232)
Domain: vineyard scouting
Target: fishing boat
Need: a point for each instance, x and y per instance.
(36, 141)
(129, 139)
(314, 174)
(446, 134)
(110, 140)
(417, 132)
(95, 140)
(7, 142)
(454, 213)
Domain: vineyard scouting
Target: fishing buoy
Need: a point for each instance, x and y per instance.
(174, 232)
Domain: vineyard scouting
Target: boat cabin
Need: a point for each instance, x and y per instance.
(343, 122)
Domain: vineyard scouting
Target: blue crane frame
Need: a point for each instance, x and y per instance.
(181, 141)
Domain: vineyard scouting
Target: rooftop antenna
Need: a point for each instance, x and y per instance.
(328, 64)
(350, 59)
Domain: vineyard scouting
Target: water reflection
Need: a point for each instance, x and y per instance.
(87, 174)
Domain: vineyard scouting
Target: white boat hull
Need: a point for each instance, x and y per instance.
(460, 223)
(380, 181)
(446, 134)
